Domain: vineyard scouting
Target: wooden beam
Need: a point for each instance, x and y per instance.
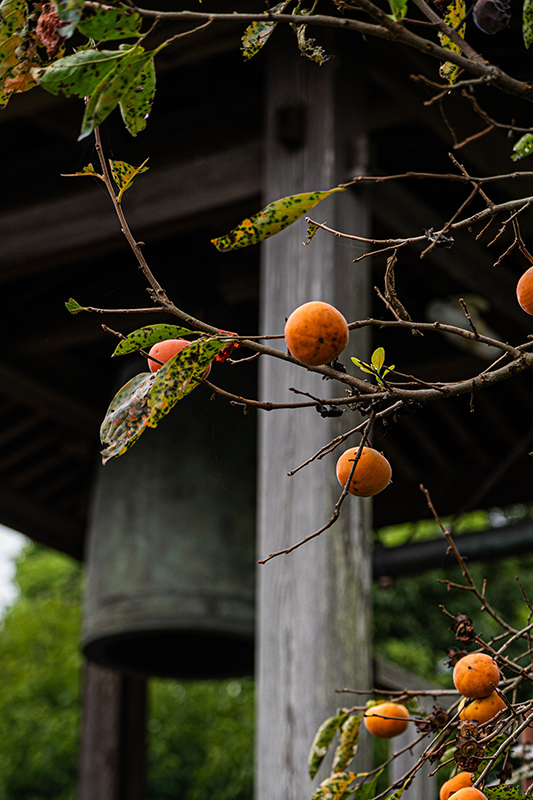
(113, 761)
(314, 605)
(84, 218)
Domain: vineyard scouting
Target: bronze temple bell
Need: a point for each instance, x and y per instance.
(170, 583)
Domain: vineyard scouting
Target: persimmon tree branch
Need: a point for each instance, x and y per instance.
(383, 27)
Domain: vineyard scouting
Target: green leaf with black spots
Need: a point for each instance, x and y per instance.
(455, 13)
(136, 104)
(127, 416)
(348, 742)
(147, 336)
(73, 307)
(107, 24)
(124, 174)
(180, 375)
(80, 73)
(398, 8)
(504, 792)
(69, 12)
(527, 22)
(88, 170)
(334, 787)
(113, 87)
(258, 33)
(323, 738)
(523, 147)
(271, 220)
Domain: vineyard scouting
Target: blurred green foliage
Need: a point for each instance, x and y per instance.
(40, 680)
(200, 733)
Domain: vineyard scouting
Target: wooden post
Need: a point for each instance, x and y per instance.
(113, 736)
(314, 604)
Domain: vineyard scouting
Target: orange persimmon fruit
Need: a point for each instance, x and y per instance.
(524, 291)
(316, 333)
(458, 781)
(476, 675)
(482, 709)
(164, 351)
(371, 475)
(377, 724)
(468, 793)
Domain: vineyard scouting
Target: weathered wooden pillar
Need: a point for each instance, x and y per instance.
(113, 736)
(314, 605)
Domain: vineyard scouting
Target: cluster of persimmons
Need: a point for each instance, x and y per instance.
(476, 677)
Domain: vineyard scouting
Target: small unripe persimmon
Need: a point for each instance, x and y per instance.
(386, 720)
(164, 351)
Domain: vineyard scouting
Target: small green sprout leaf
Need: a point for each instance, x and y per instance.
(398, 8)
(73, 307)
(523, 147)
(378, 358)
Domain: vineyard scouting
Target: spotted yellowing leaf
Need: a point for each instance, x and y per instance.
(180, 375)
(348, 742)
(323, 739)
(88, 170)
(455, 13)
(334, 787)
(18, 56)
(149, 335)
(124, 174)
(258, 33)
(127, 416)
(271, 220)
